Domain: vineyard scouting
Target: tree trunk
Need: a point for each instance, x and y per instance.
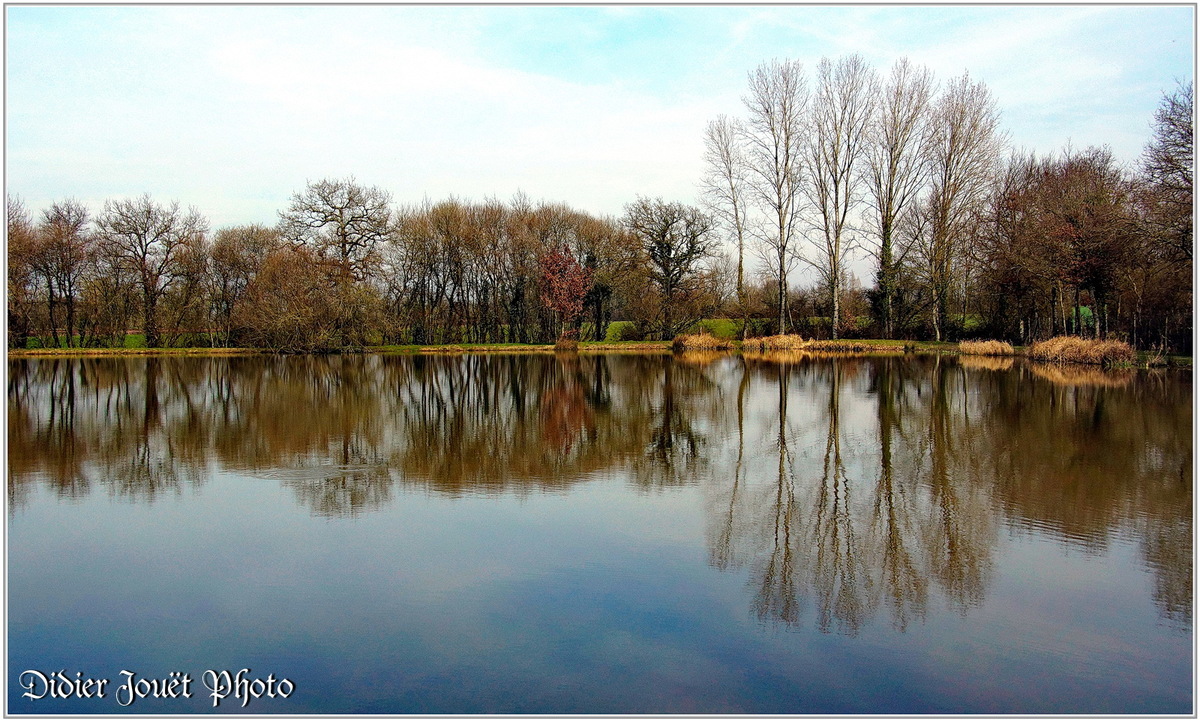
(937, 318)
(833, 322)
(1054, 310)
(1078, 316)
(741, 282)
(667, 300)
(50, 306)
(150, 320)
(71, 321)
(782, 289)
(885, 278)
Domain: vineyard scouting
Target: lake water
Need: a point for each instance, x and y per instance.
(599, 534)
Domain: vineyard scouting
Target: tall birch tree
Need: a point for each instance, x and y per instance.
(724, 190)
(841, 110)
(963, 156)
(776, 106)
(896, 169)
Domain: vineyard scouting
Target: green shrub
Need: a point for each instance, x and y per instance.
(623, 331)
(726, 328)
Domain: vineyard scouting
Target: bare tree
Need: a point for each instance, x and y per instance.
(964, 150)
(21, 241)
(724, 189)
(677, 240)
(1168, 166)
(64, 248)
(147, 240)
(236, 257)
(341, 220)
(841, 111)
(896, 168)
(774, 136)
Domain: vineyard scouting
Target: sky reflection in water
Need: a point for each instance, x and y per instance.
(605, 534)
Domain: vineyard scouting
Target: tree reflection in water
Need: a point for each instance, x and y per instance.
(842, 486)
(943, 455)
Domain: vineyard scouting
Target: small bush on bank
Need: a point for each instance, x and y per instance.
(986, 348)
(703, 341)
(1072, 349)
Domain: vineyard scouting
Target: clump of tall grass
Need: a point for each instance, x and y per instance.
(985, 348)
(703, 341)
(781, 342)
(1072, 349)
(848, 345)
(566, 343)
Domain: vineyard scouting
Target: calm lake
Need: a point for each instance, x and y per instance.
(599, 534)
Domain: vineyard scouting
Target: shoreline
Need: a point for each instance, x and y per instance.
(853, 346)
(451, 348)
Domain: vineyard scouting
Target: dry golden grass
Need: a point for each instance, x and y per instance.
(566, 344)
(1072, 349)
(851, 346)
(782, 342)
(1076, 376)
(799, 355)
(985, 348)
(986, 363)
(704, 341)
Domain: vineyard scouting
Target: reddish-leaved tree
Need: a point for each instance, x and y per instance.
(564, 285)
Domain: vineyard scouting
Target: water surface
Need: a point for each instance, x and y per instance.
(604, 534)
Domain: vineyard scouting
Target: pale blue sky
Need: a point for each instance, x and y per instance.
(232, 109)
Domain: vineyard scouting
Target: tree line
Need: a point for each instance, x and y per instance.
(966, 237)
(344, 268)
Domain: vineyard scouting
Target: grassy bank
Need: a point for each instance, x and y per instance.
(456, 348)
(864, 346)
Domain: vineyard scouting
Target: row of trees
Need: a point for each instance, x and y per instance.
(919, 179)
(964, 235)
(344, 268)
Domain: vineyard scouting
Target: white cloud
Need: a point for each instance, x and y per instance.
(416, 118)
(232, 109)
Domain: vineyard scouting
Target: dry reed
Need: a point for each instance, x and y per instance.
(782, 342)
(985, 348)
(1072, 349)
(851, 346)
(704, 341)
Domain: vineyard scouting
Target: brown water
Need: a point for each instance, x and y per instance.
(604, 534)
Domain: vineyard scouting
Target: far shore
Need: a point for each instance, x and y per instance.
(450, 348)
(853, 346)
